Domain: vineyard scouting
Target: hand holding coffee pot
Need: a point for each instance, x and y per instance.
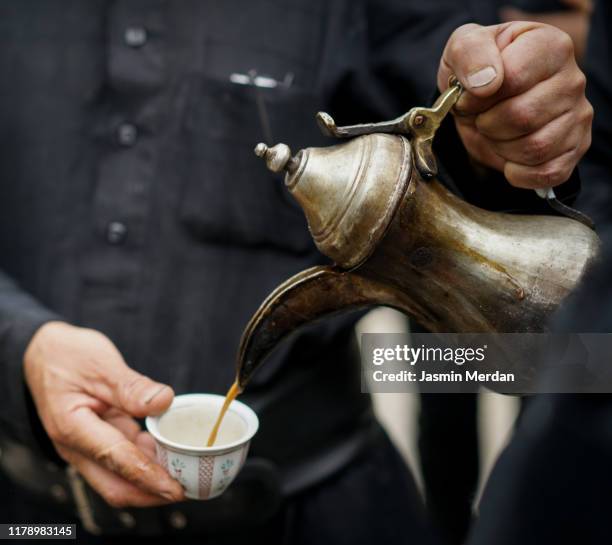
(398, 238)
(524, 112)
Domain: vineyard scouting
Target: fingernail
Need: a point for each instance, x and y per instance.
(153, 394)
(482, 77)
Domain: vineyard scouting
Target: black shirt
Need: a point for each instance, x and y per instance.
(131, 200)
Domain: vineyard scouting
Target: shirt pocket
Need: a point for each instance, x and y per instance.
(229, 196)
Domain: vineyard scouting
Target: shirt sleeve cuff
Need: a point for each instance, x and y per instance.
(17, 328)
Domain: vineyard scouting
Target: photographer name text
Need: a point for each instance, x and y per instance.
(413, 356)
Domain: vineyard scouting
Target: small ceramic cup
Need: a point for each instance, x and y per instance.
(181, 433)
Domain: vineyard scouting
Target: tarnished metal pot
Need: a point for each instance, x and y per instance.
(397, 237)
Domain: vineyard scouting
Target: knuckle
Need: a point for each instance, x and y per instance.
(61, 434)
(95, 336)
(580, 82)
(65, 454)
(103, 458)
(537, 149)
(54, 433)
(512, 177)
(589, 113)
(484, 124)
(106, 458)
(456, 48)
(142, 474)
(131, 386)
(551, 176)
(461, 40)
(514, 77)
(521, 117)
(512, 180)
(467, 28)
(564, 44)
(462, 31)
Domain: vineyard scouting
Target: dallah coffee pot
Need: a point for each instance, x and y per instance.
(398, 238)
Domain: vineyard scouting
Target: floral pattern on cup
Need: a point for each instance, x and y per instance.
(177, 466)
(227, 477)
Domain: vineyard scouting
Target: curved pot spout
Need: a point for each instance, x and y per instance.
(308, 296)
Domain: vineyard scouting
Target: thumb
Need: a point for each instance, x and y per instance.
(472, 55)
(138, 395)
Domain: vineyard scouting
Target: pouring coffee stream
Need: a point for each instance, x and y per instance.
(399, 238)
(232, 394)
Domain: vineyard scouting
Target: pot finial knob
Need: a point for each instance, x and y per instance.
(277, 158)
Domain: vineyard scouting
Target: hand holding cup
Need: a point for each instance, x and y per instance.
(87, 399)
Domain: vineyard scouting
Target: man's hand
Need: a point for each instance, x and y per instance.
(86, 397)
(524, 111)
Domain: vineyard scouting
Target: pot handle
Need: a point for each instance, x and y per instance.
(419, 123)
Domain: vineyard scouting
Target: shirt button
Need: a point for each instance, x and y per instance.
(178, 520)
(116, 232)
(127, 134)
(135, 36)
(127, 519)
(59, 493)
